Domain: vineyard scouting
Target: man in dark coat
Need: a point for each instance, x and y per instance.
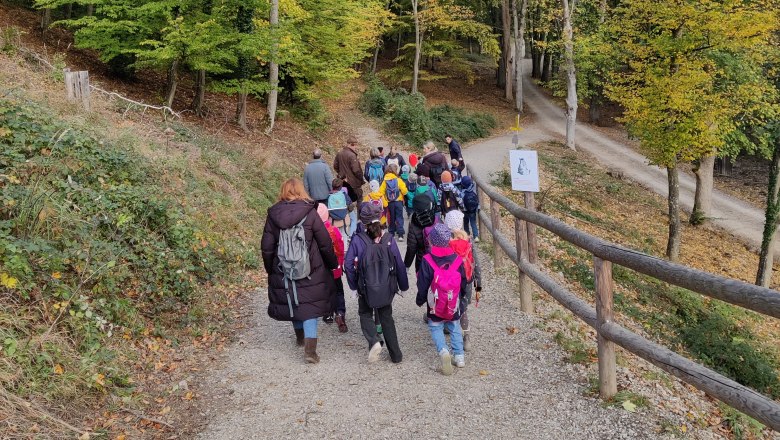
(433, 163)
(314, 292)
(455, 152)
(348, 169)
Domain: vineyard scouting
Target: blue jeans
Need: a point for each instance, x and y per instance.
(395, 222)
(353, 222)
(437, 333)
(309, 327)
(470, 219)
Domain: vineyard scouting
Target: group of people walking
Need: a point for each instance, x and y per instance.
(303, 247)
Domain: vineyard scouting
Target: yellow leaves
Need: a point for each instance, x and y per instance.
(99, 380)
(483, 372)
(58, 370)
(4, 132)
(188, 396)
(165, 410)
(56, 275)
(8, 281)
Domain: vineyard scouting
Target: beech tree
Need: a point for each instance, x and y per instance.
(571, 75)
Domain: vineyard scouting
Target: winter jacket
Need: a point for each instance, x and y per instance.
(451, 198)
(347, 167)
(357, 247)
(430, 187)
(368, 166)
(378, 195)
(441, 256)
(455, 151)
(430, 162)
(317, 179)
(338, 248)
(401, 188)
(415, 244)
(462, 247)
(401, 161)
(472, 188)
(314, 292)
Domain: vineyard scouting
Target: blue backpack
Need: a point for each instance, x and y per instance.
(337, 205)
(391, 190)
(470, 200)
(376, 171)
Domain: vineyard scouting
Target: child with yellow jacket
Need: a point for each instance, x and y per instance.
(394, 189)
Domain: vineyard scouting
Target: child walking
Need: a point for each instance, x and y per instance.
(376, 271)
(394, 190)
(376, 197)
(462, 246)
(451, 199)
(440, 282)
(336, 212)
(455, 171)
(470, 207)
(338, 247)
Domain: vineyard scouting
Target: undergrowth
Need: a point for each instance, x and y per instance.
(407, 114)
(99, 242)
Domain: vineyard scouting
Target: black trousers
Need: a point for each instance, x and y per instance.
(368, 326)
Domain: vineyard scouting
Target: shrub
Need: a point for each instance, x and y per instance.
(407, 114)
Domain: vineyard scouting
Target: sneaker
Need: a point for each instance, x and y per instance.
(446, 362)
(373, 354)
(476, 240)
(401, 238)
(327, 319)
(459, 360)
(379, 329)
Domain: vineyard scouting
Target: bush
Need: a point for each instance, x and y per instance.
(407, 114)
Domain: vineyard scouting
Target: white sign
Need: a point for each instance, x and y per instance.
(524, 168)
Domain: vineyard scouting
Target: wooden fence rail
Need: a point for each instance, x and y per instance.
(746, 295)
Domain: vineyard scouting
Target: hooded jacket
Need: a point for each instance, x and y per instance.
(357, 247)
(314, 292)
(441, 256)
(402, 191)
(462, 247)
(432, 160)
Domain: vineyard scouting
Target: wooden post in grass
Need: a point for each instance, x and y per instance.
(533, 244)
(524, 283)
(495, 219)
(77, 87)
(604, 299)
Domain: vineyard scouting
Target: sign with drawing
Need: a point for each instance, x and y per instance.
(524, 168)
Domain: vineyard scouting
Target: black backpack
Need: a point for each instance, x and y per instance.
(424, 209)
(377, 279)
(470, 201)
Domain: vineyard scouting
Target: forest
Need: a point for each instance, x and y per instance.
(693, 82)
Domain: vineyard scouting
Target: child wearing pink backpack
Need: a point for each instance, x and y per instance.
(440, 282)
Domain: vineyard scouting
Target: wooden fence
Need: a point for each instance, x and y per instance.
(523, 254)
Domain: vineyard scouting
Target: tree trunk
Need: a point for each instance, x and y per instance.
(200, 92)
(519, 52)
(173, 82)
(506, 22)
(273, 76)
(571, 76)
(702, 201)
(90, 9)
(673, 244)
(45, 20)
(417, 45)
(241, 111)
(594, 110)
(602, 11)
(376, 57)
(69, 11)
(546, 65)
(766, 256)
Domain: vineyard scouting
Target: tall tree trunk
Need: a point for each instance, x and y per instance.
(506, 53)
(594, 109)
(45, 20)
(546, 65)
(520, 52)
(200, 92)
(673, 244)
(273, 76)
(767, 255)
(172, 83)
(68, 11)
(571, 76)
(375, 60)
(398, 49)
(90, 9)
(241, 110)
(417, 45)
(602, 11)
(702, 200)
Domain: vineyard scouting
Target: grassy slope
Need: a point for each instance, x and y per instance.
(738, 343)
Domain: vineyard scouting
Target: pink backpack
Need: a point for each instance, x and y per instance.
(444, 294)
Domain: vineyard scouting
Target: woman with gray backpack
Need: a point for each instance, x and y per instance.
(298, 257)
(376, 271)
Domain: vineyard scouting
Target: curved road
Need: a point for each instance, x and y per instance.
(739, 218)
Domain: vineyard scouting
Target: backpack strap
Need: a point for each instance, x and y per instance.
(430, 261)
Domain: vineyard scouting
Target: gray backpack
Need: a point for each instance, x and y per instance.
(293, 257)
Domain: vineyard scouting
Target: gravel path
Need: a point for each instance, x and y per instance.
(513, 386)
(740, 218)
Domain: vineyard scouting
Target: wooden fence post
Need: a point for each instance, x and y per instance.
(77, 87)
(495, 218)
(604, 288)
(533, 245)
(524, 283)
(481, 204)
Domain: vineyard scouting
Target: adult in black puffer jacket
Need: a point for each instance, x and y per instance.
(423, 216)
(314, 292)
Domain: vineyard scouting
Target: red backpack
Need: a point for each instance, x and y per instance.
(444, 294)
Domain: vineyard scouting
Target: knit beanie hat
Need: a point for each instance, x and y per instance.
(446, 177)
(369, 213)
(405, 169)
(374, 185)
(440, 235)
(466, 182)
(454, 220)
(322, 210)
(413, 177)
